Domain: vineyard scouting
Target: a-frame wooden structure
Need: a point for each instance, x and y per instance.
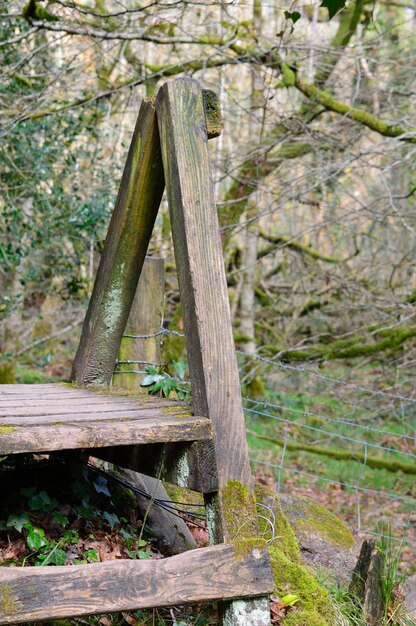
(205, 451)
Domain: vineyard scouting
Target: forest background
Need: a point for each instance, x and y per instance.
(315, 186)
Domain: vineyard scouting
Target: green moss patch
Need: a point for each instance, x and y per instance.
(315, 607)
(8, 604)
(282, 536)
(5, 429)
(239, 508)
(7, 373)
(313, 516)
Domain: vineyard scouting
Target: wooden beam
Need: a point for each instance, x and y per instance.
(125, 248)
(210, 345)
(121, 429)
(203, 575)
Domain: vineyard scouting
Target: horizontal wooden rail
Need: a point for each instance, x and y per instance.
(203, 575)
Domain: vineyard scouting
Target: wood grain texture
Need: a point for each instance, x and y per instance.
(200, 266)
(203, 575)
(145, 319)
(103, 433)
(125, 248)
(38, 424)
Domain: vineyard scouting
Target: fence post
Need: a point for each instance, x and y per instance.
(145, 321)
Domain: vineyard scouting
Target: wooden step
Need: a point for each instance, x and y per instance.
(44, 418)
(202, 575)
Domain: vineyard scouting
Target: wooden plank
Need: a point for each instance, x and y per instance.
(200, 266)
(126, 244)
(145, 320)
(123, 432)
(86, 418)
(203, 575)
(69, 407)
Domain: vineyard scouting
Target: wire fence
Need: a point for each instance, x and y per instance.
(323, 434)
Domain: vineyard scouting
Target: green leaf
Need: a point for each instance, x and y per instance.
(70, 536)
(290, 599)
(58, 557)
(92, 555)
(143, 554)
(151, 379)
(60, 519)
(294, 16)
(180, 366)
(333, 6)
(36, 538)
(42, 502)
(111, 518)
(17, 521)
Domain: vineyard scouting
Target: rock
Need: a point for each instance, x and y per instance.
(325, 543)
(410, 595)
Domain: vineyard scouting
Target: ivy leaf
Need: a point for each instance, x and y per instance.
(42, 502)
(294, 16)
(36, 538)
(333, 6)
(111, 518)
(180, 368)
(100, 485)
(17, 521)
(151, 379)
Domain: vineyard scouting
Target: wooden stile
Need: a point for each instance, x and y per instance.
(154, 435)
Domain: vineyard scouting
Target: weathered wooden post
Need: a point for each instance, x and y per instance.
(215, 383)
(124, 252)
(141, 343)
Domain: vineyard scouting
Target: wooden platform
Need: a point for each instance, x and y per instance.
(41, 418)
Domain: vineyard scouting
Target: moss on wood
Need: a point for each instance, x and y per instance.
(385, 340)
(239, 511)
(9, 606)
(7, 373)
(5, 429)
(282, 535)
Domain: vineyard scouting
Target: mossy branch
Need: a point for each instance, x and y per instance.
(353, 348)
(358, 115)
(342, 455)
(294, 245)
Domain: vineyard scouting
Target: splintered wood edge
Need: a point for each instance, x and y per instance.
(38, 593)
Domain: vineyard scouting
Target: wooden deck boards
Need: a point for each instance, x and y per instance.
(41, 418)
